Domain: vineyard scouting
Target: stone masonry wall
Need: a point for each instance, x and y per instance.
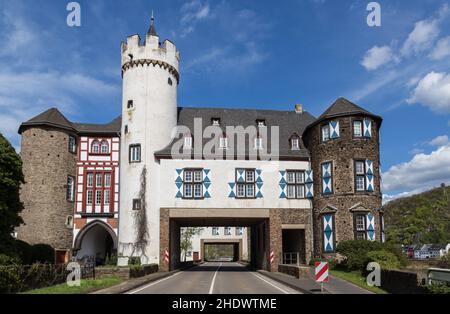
(46, 165)
(342, 152)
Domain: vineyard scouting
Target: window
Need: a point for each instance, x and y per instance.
(193, 183)
(72, 144)
(357, 128)
(227, 231)
(135, 153)
(245, 181)
(261, 123)
(295, 184)
(259, 142)
(169, 81)
(70, 188)
(295, 143)
(325, 133)
(215, 121)
(360, 227)
(187, 142)
(105, 147)
(126, 129)
(99, 189)
(130, 104)
(239, 231)
(360, 175)
(137, 204)
(95, 147)
(215, 231)
(223, 142)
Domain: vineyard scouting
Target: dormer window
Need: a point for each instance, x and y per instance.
(295, 143)
(104, 147)
(261, 123)
(187, 142)
(259, 143)
(215, 121)
(95, 149)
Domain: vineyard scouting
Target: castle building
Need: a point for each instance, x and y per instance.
(301, 185)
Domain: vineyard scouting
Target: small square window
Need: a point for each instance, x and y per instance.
(250, 176)
(359, 165)
(223, 143)
(295, 144)
(137, 204)
(198, 176)
(261, 123)
(188, 142)
(215, 121)
(227, 231)
(250, 189)
(241, 190)
(259, 143)
(72, 144)
(135, 153)
(188, 190)
(198, 190)
(357, 128)
(215, 231)
(360, 183)
(130, 104)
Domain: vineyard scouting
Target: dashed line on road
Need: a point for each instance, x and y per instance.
(273, 285)
(152, 284)
(211, 289)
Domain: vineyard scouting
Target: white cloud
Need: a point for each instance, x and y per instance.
(424, 34)
(442, 49)
(433, 91)
(440, 141)
(376, 57)
(424, 171)
(191, 13)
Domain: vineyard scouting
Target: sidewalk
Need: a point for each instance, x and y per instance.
(309, 285)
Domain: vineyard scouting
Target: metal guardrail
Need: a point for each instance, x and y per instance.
(438, 275)
(291, 258)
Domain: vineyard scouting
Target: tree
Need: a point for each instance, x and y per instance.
(186, 239)
(11, 177)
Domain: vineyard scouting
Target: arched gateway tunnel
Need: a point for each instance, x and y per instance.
(275, 236)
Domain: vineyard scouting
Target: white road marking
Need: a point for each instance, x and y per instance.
(152, 284)
(211, 289)
(282, 290)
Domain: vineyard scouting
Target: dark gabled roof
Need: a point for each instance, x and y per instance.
(54, 118)
(343, 107)
(289, 123)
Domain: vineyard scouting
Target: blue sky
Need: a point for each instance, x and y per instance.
(257, 54)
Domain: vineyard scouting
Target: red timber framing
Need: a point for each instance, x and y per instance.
(99, 166)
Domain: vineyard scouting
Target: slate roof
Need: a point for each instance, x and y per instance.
(290, 124)
(54, 118)
(344, 107)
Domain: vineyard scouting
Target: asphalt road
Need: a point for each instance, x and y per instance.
(215, 278)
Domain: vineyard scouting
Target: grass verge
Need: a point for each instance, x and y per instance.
(357, 279)
(87, 286)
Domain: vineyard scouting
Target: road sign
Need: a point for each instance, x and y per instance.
(322, 272)
(166, 256)
(272, 257)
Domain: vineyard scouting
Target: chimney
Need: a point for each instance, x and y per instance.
(299, 108)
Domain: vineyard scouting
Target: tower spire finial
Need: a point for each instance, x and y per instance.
(152, 30)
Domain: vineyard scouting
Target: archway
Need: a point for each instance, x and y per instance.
(96, 241)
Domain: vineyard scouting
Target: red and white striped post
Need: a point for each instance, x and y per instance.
(272, 257)
(166, 256)
(322, 274)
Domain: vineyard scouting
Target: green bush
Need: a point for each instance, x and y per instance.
(6, 260)
(43, 253)
(386, 259)
(111, 260)
(10, 278)
(134, 261)
(444, 261)
(24, 251)
(397, 251)
(439, 288)
(355, 253)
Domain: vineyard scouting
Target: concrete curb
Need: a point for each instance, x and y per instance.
(288, 281)
(135, 283)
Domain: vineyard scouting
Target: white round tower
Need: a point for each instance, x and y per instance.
(150, 73)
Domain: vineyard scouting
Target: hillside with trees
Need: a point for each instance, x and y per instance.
(419, 219)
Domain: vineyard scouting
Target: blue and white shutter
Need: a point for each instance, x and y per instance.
(370, 227)
(334, 130)
(206, 183)
(283, 185)
(259, 183)
(309, 184)
(328, 234)
(327, 186)
(369, 176)
(367, 128)
(179, 182)
(232, 190)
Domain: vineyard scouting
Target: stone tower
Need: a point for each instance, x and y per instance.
(49, 160)
(344, 147)
(150, 73)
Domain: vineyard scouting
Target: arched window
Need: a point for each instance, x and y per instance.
(95, 147)
(105, 147)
